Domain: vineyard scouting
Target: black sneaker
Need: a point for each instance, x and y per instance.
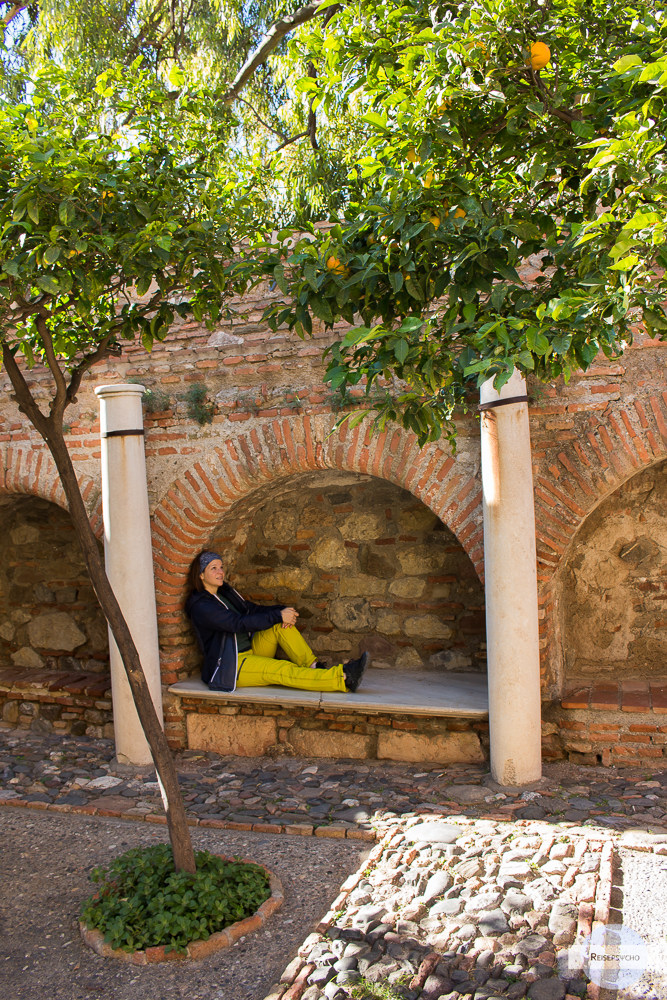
(353, 670)
(321, 665)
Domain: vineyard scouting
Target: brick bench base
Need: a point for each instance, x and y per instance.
(620, 724)
(438, 718)
(76, 703)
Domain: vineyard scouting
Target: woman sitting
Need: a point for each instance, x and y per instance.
(240, 639)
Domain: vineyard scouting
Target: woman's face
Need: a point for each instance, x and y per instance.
(213, 576)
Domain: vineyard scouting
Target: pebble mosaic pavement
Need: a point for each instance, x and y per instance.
(471, 892)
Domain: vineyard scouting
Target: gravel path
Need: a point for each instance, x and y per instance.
(45, 864)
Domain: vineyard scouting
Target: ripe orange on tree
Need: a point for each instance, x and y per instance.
(336, 266)
(540, 54)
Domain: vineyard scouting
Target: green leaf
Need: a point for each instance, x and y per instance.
(396, 280)
(401, 350)
(627, 62)
(561, 343)
(51, 255)
(176, 76)
(66, 212)
(583, 129)
(321, 308)
(655, 318)
(373, 118)
(625, 264)
(410, 324)
(49, 283)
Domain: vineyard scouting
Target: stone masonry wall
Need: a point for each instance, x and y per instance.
(49, 616)
(614, 602)
(365, 564)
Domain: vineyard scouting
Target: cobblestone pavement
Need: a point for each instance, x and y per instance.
(471, 891)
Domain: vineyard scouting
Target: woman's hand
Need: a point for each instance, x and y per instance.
(289, 616)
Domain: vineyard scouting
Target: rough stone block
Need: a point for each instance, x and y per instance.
(239, 735)
(444, 748)
(329, 744)
(10, 711)
(26, 657)
(55, 631)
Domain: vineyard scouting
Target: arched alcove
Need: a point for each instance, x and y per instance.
(366, 564)
(613, 585)
(49, 616)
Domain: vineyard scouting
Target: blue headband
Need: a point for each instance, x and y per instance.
(206, 558)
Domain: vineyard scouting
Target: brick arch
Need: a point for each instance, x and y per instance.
(284, 447)
(608, 451)
(29, 470)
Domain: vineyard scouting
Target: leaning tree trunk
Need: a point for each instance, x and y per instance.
(179, 832)
(50, 429)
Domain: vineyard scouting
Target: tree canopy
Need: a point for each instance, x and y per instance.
(503, 211)
(490, 174)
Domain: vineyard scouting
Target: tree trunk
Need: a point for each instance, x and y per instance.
(179, 833)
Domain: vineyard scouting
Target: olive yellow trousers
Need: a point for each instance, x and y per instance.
(259, 666)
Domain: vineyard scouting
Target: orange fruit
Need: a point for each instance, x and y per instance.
(460, 213)
(434, 220)
(428, 178)
(336, 266)
(540, 54)
(413, 156)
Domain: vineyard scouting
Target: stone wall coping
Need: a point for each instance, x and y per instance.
(414, 692)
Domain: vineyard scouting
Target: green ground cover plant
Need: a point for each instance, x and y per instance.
(141, 901)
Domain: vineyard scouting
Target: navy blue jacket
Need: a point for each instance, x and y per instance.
(215, 627)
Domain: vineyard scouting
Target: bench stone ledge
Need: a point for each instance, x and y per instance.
(399, 692)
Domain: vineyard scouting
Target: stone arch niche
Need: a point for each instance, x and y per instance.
(612, 586)
(367, 565)
(49, 616)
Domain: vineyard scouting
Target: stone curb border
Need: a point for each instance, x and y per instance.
(195, 949)
(295, 829)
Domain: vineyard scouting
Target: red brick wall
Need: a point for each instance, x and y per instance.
(273, 420)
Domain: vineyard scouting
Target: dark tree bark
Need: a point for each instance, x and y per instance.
(50, 428)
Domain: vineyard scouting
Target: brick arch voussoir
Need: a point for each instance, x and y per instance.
(627, 439)
(32, 472)
(277, 449)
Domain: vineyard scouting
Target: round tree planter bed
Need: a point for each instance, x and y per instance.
(195, 949)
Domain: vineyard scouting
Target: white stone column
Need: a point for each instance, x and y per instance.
(511, 584)
(129, 558)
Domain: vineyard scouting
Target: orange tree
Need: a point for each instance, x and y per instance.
(111, 223)
(504, 204)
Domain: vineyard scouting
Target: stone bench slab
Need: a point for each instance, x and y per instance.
(416, 692)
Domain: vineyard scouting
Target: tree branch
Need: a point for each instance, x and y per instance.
(312, 118)
(259, 118)
(288, 142)
(148, 26)
(271, 40)
(59, 401)
(102, 351)
(24, 397)
(16, 9)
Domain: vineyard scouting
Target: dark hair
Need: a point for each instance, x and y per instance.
(193, 579)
